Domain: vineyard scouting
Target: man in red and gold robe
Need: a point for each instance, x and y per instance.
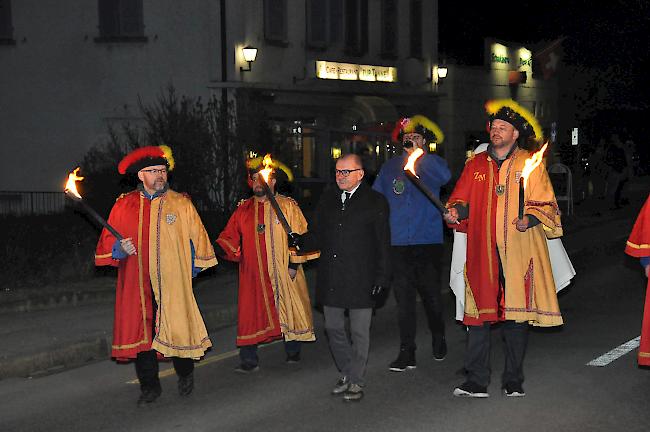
(164, 246)
(273, 298)
(638, 245)
(508, 271)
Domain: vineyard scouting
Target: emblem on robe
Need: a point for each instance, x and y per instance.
(260, 228)
(170, 218)
(398, 186)
(500, 189)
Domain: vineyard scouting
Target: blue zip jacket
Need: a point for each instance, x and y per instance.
(414, 220)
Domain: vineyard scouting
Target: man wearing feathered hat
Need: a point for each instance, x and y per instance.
(273, 298)
(416, 236)
(508, 271)
(165, 245)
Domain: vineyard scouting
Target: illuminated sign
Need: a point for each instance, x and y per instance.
(525, 58)
(508, 58)
(355, 72)
(499, 54)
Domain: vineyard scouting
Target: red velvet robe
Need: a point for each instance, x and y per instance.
(161, 231)
(638, 245)
(492, 196)
(271, 305)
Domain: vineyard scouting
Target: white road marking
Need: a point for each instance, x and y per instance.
(617, 352)
(170, 371)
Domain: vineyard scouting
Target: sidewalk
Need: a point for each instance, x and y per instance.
(66, 327)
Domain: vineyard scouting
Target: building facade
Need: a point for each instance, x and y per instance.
(333, 72)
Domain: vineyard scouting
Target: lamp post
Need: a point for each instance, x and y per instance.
(249, 53)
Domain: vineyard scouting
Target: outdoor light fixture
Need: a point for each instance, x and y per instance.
(439, 73)
(249, 53)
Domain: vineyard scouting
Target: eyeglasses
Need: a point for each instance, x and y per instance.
(155, 171)
(346, 172)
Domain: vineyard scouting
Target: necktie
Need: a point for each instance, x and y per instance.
(346, 197)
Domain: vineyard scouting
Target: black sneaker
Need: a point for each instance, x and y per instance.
(439, 348)
(513, 389)
(405, 360)
(245, 368)
(186, 384)
(293, 358)
(149, 395)
(471, 389)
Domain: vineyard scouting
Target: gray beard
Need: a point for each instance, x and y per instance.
(259, 194)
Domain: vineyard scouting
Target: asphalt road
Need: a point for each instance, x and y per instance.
(602, 310)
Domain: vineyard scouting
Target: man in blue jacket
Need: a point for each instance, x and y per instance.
(416, 236)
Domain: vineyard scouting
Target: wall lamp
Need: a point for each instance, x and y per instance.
(249, 53)
(439, 73)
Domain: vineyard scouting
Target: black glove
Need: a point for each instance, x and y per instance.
(295, 240)
(376, 291)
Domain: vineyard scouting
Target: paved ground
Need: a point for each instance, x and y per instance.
(602, 310)
(43, 388)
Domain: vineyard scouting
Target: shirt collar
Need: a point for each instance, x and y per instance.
(350, 192)
(155, 195)
(490, 152)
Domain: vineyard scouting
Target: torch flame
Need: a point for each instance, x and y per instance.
(71, 185)
(410, 164)
(266, 172)
(531, 163)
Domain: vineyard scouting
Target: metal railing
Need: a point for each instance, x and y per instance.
(21, 203)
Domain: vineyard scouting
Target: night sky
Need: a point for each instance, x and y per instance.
(612, 37)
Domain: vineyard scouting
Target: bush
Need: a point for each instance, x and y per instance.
(46, 249)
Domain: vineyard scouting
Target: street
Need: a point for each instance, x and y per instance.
(602, 309)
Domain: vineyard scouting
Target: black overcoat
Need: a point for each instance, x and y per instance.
(354, 245)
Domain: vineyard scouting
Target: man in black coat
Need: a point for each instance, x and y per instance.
(351, 229)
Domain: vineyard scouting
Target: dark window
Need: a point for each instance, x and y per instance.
(275, 21)
(389, 28)
(317, 23)
(356, 27)
(6, 28)
(120, 20)
(336, 20)
(416, 29)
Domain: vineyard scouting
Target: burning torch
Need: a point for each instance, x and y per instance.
(71, 192)
(529, 166)
(409, 168)
(264, 179)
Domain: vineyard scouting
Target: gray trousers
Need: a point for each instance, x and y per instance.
(350, 354)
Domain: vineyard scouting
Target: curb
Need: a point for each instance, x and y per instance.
(93, 349)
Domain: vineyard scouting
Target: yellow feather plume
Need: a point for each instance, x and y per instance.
(417, 120)
(492, 106)
(168, 155)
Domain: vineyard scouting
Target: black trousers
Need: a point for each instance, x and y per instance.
(477, 357)
(146, 363)
(417, 269)
(146, 368)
